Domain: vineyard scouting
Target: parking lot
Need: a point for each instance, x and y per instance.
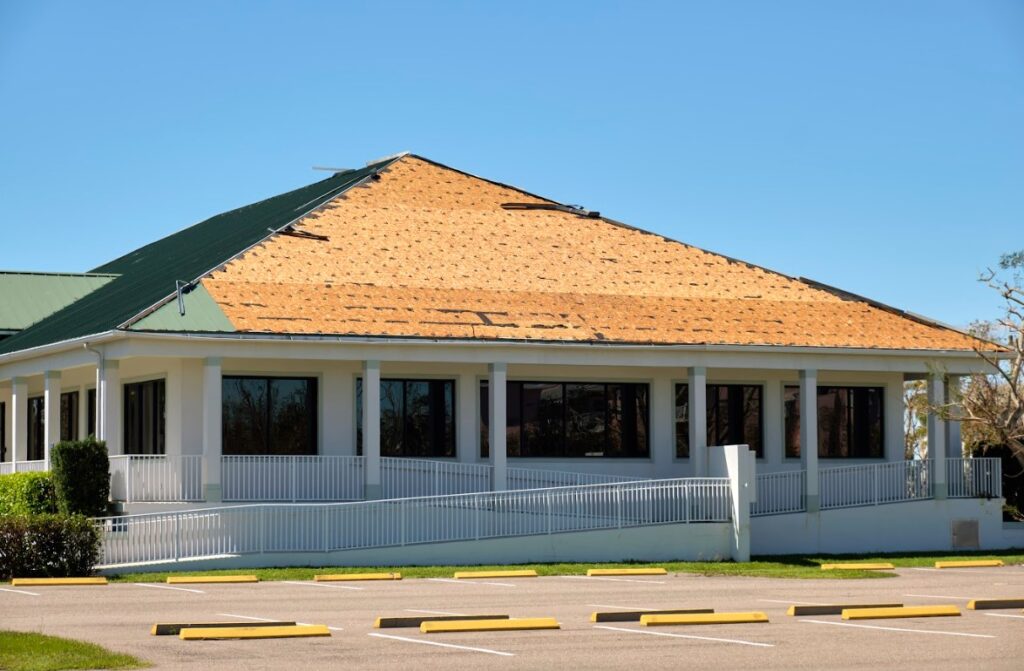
(119, 616)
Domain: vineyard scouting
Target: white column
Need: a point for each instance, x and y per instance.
(663, 417)
(371, 428)
(937, 436)
(467, 413)
(19, 420)
(497, 426)
(51, 410)
(774, 431)
(337, 412)
(174, 424)
(809, 438)
(212, 420)
(698, 380)
(895, 408)
(110, 406)
(83, 413)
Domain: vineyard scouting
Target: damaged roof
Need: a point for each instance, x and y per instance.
(422, 250)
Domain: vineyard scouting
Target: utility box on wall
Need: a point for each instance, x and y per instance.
(965, 535)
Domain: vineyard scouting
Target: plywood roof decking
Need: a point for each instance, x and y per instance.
(427, 251)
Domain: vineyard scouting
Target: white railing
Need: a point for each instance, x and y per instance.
(7, 467)
(872, 484)
(974, 478)
(779, 493)
(138, 477)
(234, 530)
(401, 477)
(291, 478)
(535, 478)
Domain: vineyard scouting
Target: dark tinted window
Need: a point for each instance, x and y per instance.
(69, 415)
(269, 415)
(850, 422)
(3, 432)
(144, 417)
(417, 418)
(90, 427)
(572, 419)
(734, 416)
(36, 413)
(682, 420)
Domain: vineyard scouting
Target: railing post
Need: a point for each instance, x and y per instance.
(618, 504)
(686, 501)
(326, 530)
(291, 471)
(263, 528)
(547, 507)
(476, 505)
(876, 468)
(128, 495)
(401, 521)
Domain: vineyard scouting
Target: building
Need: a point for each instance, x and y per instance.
(407, 329)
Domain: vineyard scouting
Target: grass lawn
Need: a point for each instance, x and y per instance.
(21, 651)
(774, 567)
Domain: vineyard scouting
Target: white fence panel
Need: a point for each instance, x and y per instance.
(156, 478)
(291, 478)
(8, 467)
(980, 477)
(873, 484)
(535, 478)
(370, 524)
(780, 493)
(401, 477)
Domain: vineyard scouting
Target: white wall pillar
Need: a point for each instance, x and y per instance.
(192, 406)
(895, 425)
(662, 426)
(698, 380)
(336, 413)
(51, 410)
(19, 420)
(371, 429)
(774, 431)
(174, 422)
(212, 420)
(466, 412)
(937, 436)
(741, 468)
(809, 438)
(497, 426)
(110, 406)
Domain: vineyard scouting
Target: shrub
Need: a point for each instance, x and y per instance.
(81, 473)
(27, 494)
(47, 546)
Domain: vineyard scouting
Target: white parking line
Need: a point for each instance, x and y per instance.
(909, 631)
(18, 591)
(443, 645)
(471, 582)
(939, 596)
(271, 619)
(320, 584)
(594, 577)
(797, 603)
(603, 605)
(696, 638)
(177, 589)
(432, 612)
(1019, 617)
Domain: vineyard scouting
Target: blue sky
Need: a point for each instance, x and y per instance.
(873, 145)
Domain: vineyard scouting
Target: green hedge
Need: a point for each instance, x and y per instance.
(47, 546)
(81, 473)
(27, 494)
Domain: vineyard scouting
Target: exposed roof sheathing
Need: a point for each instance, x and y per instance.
(30, 297)
(427, 251)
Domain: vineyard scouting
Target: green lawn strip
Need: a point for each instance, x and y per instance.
(765, 567)
(20, 651)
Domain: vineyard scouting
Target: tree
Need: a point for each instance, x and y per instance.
(992, 404)
(915, 420)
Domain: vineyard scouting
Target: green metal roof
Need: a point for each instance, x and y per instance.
(147, 276)
(30, 297)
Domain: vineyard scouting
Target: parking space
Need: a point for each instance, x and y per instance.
(119, 616)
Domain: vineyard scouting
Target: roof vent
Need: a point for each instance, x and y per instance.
(578, 210)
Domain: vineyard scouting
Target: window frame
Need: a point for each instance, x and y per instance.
(647, 456)
(405, 380)
(315, 413)
(676, 383)
(160, 440)
(883, 414)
